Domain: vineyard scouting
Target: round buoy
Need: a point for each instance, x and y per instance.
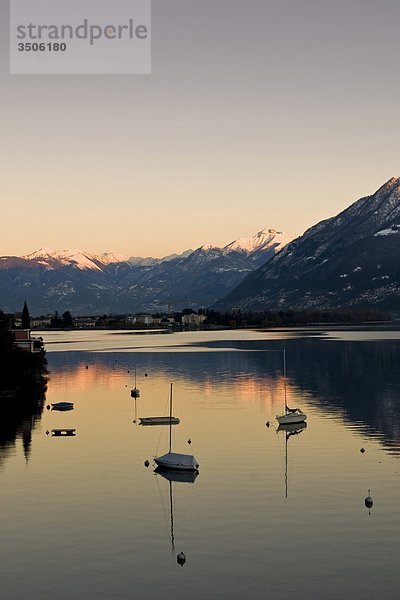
(145, 375)
(128, 371)
(368, 500)
(146, 462)
(362, 450)
(189, 441)
(267, 424)
(87, 367)
(181, 559)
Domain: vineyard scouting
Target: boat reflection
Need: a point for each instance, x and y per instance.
(177, 476)
(174, 477)
(289, 429)
(292, 428)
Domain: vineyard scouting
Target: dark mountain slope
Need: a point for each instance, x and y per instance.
(351, 260)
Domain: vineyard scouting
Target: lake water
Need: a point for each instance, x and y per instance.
(270, 515)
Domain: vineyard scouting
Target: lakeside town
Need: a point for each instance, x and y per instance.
(189, 319)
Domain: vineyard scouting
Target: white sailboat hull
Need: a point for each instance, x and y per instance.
(177, 462)
(291, 418)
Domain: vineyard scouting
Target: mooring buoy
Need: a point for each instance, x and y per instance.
(181, 559)
(369, 501)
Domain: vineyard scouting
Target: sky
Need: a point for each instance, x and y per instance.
(258, 113)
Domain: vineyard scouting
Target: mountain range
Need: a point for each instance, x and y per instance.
(350, 260)
(86, 283)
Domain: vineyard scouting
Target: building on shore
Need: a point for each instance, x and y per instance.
(24, 340)
(193, 320)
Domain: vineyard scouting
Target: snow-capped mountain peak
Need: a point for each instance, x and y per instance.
(50, 258)
(261, 241)
(43, 252)
(110, 257)
(208, 247)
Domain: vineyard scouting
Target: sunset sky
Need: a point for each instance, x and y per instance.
(258, 113)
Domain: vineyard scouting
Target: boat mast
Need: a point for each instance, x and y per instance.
(284, 377)
(286, 463)
(170, 420)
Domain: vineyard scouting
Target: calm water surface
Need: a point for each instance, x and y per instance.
(270, 515)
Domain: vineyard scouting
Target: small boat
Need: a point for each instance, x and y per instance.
(61, 406)
(63, 432)
(173, 460)
(159, 421)
(178, 462)
(135, 392)
(291, 416)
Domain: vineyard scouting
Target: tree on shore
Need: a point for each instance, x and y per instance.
(56, 321)
(68, 322)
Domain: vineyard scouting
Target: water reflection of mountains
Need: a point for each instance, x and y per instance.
(357, 381)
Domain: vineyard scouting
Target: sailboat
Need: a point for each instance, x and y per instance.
(289, 429)
(173, 460)
(291, 415)
(135, 392)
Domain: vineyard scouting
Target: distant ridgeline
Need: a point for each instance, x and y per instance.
(288, 318)
(23, 370)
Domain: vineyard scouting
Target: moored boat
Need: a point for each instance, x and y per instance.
(178, 462)
(290, 416)
(62, 432)
(135, 392)
(159, 421)
(61, 406)
(173, 460)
